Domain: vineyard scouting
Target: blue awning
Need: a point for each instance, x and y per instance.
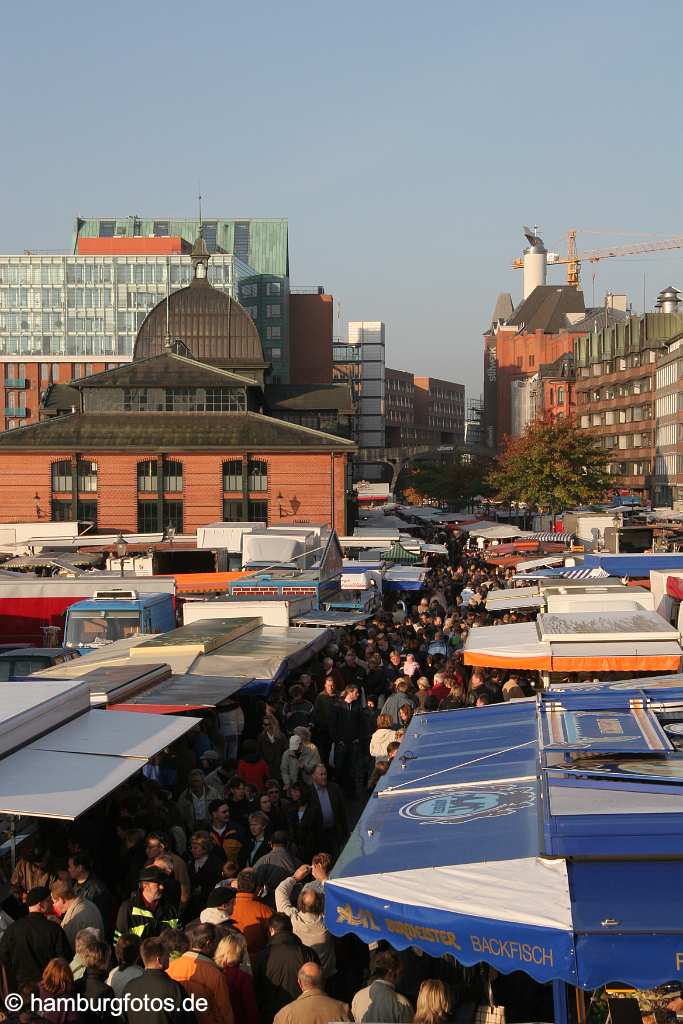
(529, 836)
(638, 566)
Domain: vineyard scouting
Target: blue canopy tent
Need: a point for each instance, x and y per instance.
(544, 835)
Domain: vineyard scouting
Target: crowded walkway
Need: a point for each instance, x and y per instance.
(205, 875)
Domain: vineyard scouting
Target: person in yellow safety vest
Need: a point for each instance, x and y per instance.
(148, 911)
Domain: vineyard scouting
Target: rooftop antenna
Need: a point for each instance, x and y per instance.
(199, 197)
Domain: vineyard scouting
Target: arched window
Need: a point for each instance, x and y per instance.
(62, 477)
(257, 475)
(147, 475)
(173, 475)
(87, 476)
(233, 477)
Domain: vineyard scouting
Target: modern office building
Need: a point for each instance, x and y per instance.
(439, 411)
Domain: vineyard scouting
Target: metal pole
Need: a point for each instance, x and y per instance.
(560, 1002)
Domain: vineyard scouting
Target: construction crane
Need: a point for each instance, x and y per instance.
(573, 259)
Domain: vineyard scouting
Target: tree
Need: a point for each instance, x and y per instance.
(456, 482)
(552, 466)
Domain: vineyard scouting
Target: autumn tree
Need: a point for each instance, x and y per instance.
(456, 482)
(553, 466)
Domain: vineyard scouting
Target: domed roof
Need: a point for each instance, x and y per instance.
(212, 325)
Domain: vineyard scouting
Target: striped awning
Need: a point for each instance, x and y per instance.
(584, 574)
(553, 538)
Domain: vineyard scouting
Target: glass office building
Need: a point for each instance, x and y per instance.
(63, 308)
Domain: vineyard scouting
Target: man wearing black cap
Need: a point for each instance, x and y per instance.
(148, 911)
(31, 942)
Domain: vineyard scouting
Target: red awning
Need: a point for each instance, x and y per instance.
(674, 587)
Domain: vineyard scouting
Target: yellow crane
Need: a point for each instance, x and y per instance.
(573, 259)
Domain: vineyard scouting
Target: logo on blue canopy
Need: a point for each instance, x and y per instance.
(458, 807)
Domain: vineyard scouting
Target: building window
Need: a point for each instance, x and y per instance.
(273, 333)
(552, 396)
(233, 475)
(252, 311)
(560, 396)
(148, 517)
(160, 228)
(257, 475)
(210, 234)
(276, 353)
(61, 511)
(274, 288)
(274, 310)
(257, 512)
(173, 475)
(532, 360)
(240, 242)
(173, 514)
(148, 476)
(107, 228)
(87, 476)
(249, 291)
(233, 510)
(62, 477)
(135, 399)
(87, 512)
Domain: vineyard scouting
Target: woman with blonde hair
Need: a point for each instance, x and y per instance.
(381, 738)
(231, 957)
(434, 1004)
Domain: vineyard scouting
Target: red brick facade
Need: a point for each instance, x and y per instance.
(312, 484)
(23, 382)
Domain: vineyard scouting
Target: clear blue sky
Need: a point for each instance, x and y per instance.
(405, 142)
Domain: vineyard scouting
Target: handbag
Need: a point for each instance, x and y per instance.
(488, 1013)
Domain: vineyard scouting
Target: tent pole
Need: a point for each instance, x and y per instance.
(580, 1006)
(13, 841)
(560, 1002)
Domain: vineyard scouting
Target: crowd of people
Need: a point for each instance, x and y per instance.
(205, 875)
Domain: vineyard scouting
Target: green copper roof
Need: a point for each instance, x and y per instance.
(263, 244)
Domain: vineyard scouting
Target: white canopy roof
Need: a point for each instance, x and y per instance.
(67, 771)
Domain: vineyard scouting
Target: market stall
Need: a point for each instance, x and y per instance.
(544, 836)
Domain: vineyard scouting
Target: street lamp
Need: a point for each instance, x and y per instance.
(121, 550)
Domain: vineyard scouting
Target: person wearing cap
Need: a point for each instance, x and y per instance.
(28, 945)
(290, 765)
(148, 911)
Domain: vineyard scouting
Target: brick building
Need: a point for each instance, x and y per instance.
(399, 408)
(311, 318)
(181, 436)
(520, 350)
(615, 393)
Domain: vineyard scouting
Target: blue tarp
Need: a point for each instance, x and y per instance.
(638, 566)
(541, 835)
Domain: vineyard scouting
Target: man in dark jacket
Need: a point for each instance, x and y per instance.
(324, 825)
(349, 732)
(323, 714)
(30, 943)
(149, 910)
(276, 968)
(273, 867)
(155, 984)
